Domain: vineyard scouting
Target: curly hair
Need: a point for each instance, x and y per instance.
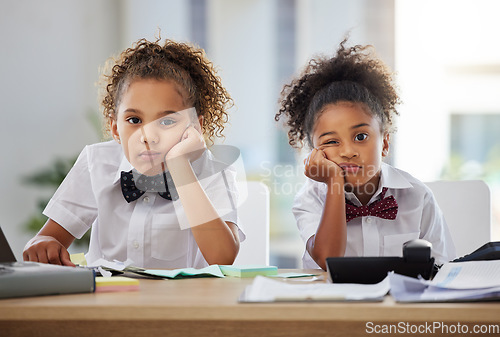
(353, 75)
(185, 65)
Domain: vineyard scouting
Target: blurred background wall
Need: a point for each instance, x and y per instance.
(443, 51)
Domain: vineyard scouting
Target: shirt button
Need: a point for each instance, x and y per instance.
(146, 199)
(368, 220)
(136, 244)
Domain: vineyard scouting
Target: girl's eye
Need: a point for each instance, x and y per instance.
(330, 142)
(167, 122)
(360, 137)
(133, 120)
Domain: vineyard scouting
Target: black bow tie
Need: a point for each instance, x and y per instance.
(159, 183)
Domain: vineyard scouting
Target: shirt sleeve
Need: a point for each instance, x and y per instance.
(73, 205)
(224, 195)
(307, 209)
(435, 230)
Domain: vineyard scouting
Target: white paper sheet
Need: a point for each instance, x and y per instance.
(115, 265)
(264, 289)
(468, 275)
(456, 281)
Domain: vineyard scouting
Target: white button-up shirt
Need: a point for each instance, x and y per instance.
(419, 217)
(151, 231)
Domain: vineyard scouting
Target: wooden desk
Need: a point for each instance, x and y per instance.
(209, 307)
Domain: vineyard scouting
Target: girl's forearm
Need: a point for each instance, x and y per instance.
(330, 239)
(217, 240)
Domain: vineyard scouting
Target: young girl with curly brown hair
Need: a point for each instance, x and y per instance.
(154, 196)
(352, 203)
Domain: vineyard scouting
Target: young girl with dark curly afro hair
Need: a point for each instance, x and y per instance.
(354, 204)
(142, 193)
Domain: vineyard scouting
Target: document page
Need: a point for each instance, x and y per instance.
(264, 289)
(468, 275)
(455, 281)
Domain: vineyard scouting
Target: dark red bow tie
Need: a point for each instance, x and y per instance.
(385, 208)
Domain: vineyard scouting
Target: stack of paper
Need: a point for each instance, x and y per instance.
(116, 283)
(248, 270)
(455, 281)
(264, 289)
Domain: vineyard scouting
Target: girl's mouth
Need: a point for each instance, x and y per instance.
(349, 168)
(149, 155)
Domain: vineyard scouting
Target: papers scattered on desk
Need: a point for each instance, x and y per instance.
(107, 268)
(112, 265)
(101, 267)
(264, 289)
(455, 281)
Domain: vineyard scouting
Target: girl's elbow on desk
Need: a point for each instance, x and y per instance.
(319, 254)
(223, 249)
(223, 257)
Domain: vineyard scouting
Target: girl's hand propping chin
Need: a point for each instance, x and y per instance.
(318, 167)
(191, 146)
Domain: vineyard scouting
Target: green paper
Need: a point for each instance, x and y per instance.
(292, 275)
(210, 271)
(248, 270)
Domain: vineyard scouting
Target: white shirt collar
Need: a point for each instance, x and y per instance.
(390, 177)
(124, 166)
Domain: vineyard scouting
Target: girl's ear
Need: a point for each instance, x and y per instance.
(385, 144)
(200, 128)
(114, 131)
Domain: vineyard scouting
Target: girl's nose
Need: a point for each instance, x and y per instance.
(348, 151)
(149, 134)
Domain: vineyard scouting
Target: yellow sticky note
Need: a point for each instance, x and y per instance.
(115, 283)
(78, 259)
